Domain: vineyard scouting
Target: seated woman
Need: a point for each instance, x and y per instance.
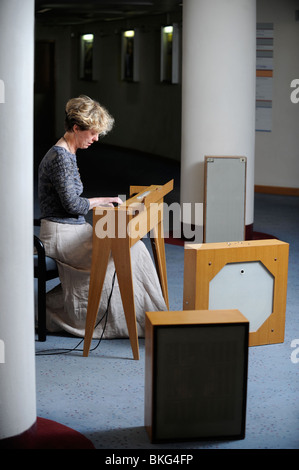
(67, 236)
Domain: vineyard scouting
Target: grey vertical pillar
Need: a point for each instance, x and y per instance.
(17, 355)
(218, 94)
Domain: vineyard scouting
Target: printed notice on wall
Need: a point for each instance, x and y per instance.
(264, 76)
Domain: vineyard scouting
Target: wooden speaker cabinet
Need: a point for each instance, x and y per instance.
(250, 276)
(195, 375)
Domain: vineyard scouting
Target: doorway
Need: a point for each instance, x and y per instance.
(44, 98)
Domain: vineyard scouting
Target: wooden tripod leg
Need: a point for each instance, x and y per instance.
(100, 257)
(122, 260)
(158, 246)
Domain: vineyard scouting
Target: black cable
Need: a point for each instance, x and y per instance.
(53, 352)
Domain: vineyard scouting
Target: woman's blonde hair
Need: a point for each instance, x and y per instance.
(88, 114)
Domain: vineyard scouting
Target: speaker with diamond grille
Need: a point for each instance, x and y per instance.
(195, 375)
(250, 276)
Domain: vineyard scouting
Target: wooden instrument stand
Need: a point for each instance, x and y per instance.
(126, 224)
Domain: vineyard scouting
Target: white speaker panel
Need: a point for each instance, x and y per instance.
(225, 194)
(248, 287)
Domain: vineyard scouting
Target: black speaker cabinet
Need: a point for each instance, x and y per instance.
(195, 375)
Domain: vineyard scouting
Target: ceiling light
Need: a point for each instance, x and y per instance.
(168, 29)
(129, 34)
(87, 37)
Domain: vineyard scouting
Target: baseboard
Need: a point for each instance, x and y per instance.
(276, 190)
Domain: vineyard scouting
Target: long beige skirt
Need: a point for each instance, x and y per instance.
(71, 246)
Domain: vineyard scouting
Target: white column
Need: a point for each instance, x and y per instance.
(17, 351)
(218, 92)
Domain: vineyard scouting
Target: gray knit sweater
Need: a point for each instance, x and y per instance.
(60, 188)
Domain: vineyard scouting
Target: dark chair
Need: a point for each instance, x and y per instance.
(45, 269)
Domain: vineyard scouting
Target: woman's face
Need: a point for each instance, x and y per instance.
(84, 139)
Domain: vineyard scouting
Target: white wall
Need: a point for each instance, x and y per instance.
(277, 152)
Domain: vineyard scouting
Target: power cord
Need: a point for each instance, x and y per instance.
(57, 351)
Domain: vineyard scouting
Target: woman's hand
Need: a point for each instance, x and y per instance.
(104, 201)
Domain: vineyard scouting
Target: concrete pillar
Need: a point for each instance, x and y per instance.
(218, 94)
(17, 350)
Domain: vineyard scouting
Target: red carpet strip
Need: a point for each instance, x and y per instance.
(48, 434)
